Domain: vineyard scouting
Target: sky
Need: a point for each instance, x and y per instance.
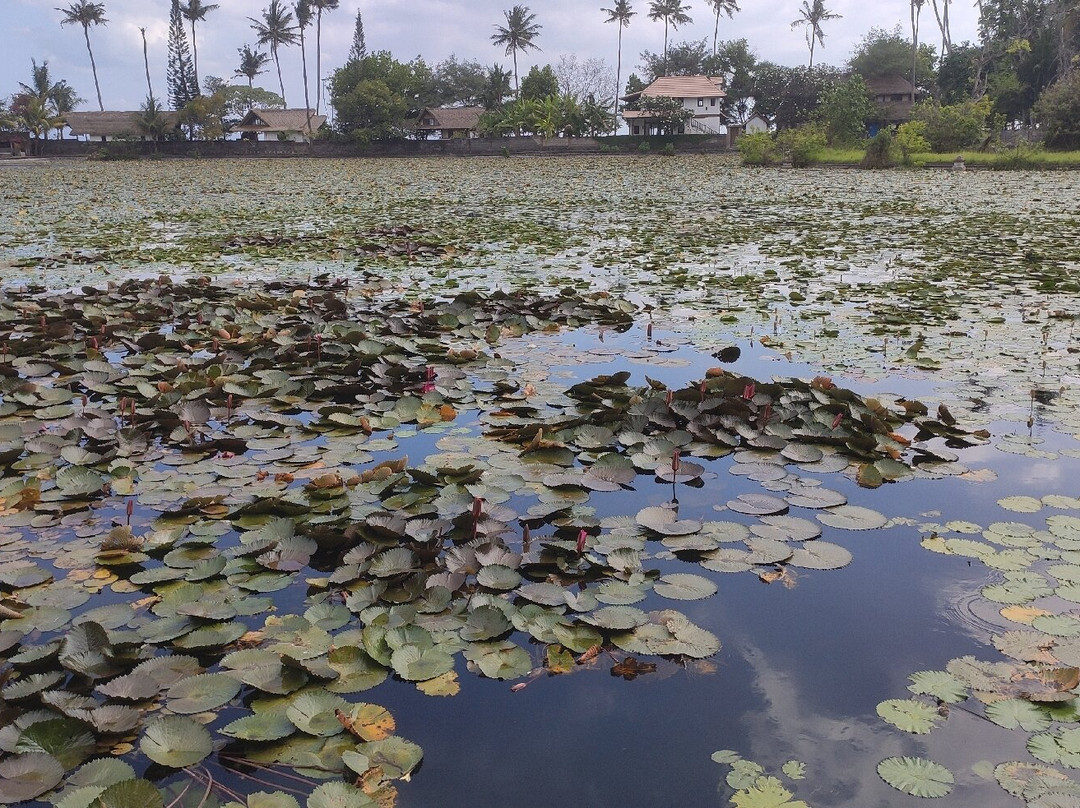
(433, 29)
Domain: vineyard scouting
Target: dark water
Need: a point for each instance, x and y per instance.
(800, 674)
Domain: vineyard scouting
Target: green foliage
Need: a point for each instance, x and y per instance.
(668, 150)
(911, 138)
(845, 109)
(376, 97)
(539, 83)
(955, 126)
(549, 117)
(887, 54)
(1058, 109)
(757, 149)
(882, 151)
(683, 59)
(802, 145)
(180, 75)
(667, 112)
(789, 96)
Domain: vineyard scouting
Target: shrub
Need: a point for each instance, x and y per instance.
(882, 151)
(1059, 110)
(644, 146)
(668, 150)
(803, 145)
(953, 127)
(757, 149)
(911, 139)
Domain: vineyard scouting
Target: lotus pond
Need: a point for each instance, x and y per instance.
(537, 482)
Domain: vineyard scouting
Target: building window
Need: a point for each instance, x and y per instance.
(701, 102)
(712, 102)
(637, 130)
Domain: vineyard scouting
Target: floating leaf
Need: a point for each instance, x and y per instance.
(176, 741)
(909, 715)
(852, 517)
(916, 776)
(130, 794)
(939, 684)
(24, 777)
(198, 694)
(684, 586)
(1013, 713)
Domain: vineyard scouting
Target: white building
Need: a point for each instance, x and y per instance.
(296, 125)
(699, 95)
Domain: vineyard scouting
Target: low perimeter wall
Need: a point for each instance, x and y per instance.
(689, 144)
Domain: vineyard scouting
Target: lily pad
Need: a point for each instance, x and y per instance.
(916, 776)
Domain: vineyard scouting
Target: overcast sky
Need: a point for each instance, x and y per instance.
(433, 29)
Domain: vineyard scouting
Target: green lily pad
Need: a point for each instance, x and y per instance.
(198, 694)
(916, 776)
(24, 777)
(909, 715)
(176, 741)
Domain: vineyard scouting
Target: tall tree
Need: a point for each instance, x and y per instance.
(195, 11)
(812, 16)
(728, 7)
(180, 72)
(942, 17)
(252, 64)
(673, 13)
(620, 14)
(916, 10)
(496, 87)
(359, 42)
(303, 20)
(320, 6)
(518, 34)
(146, 65)
(275, 29)
(86, 13)
(56, 98)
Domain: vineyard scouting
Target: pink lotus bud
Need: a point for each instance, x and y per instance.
(581, 536)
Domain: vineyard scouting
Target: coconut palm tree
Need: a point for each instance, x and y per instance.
(146, 65)
(86, 13)
(276, 29)
(196, 11)
(252, 64)
(916, 9)
(673, 13)
(56, 98)
(320, 6)
(303, 20)
(728, 7)
(151, 121)
(620, 14)
(812, 16)
(517, 35)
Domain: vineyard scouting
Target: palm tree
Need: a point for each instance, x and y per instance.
(276, 29)
(86, 13)
(620, 13)
(146, 64)
(320, 6)
(196, 11)
(517, 35)
(151, 121)
(56, 98)
(916, 8)
(728, 7)
(496, 87)
(812, 16)
(303, 20)
(673, 13)
(252, 64)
